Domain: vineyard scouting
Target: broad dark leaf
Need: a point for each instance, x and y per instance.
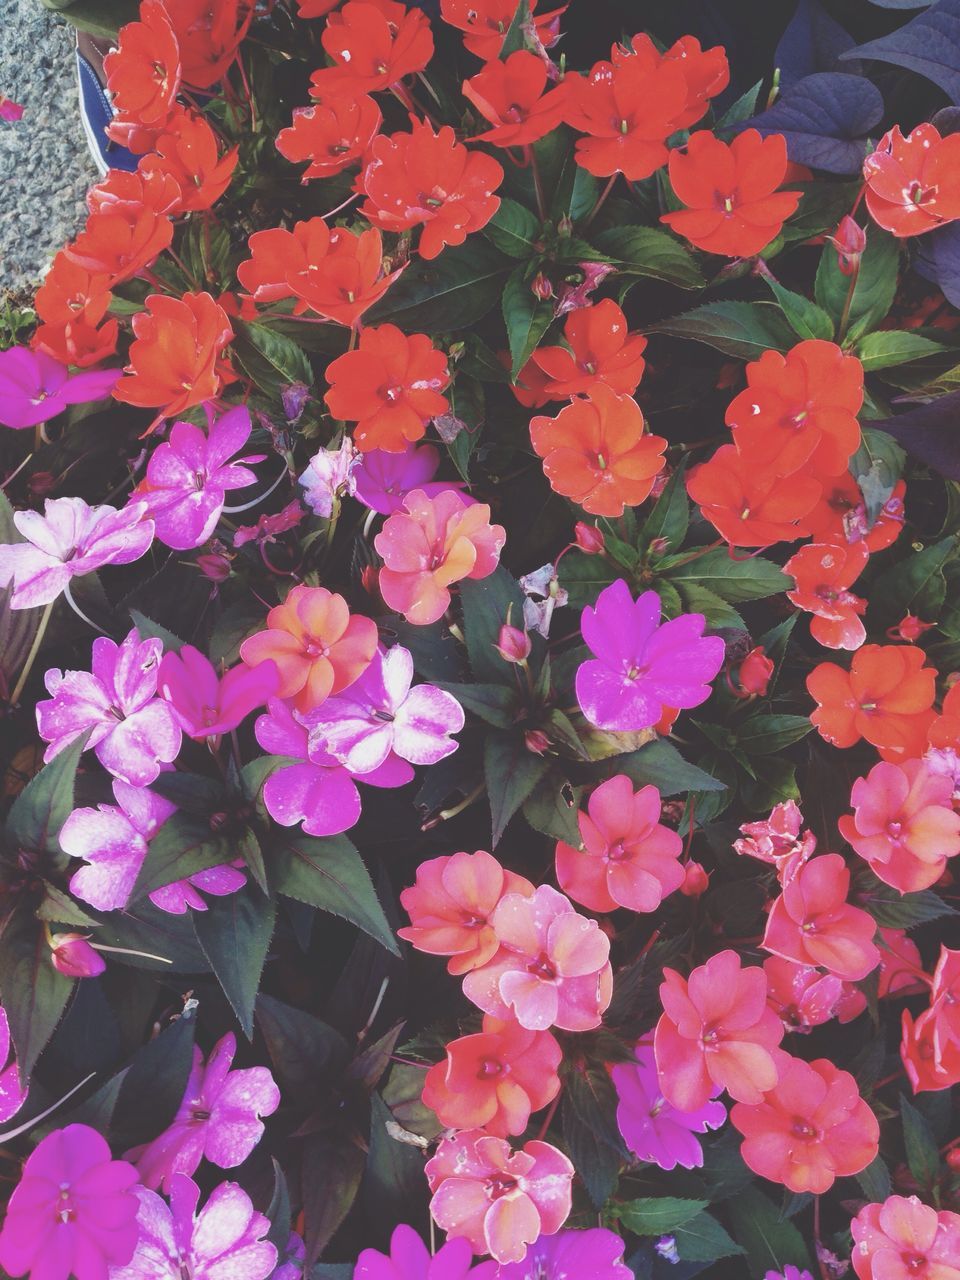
(813, 41)
(33, 993)
(928, 45)
(826, 119)
(235, 933)
(305, 1051)
(929, 433)
(45, 803)
(511, 773)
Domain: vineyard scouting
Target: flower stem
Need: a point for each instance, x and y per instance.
(548, 1118)
(848, 303)
(67, 595)
(537, 183)
(32, 655)
(35, 1120)
(600, 200)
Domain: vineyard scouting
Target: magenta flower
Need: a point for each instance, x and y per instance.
(68, 541)
(219, 1118)
(290, 1266)
(380, 713)
(641, 666)
(35, 388)
(269, 527)
(207, 705)
(74, 1212)
(225, 1239)
(10, 111)
(329, 476)
(188, 477)
(789, 1272)
(384, 479)
(652, 1128)
(74, 957)
(181, 896)
(595, 1254)
(12, 1097)
(409, 1259)
(113, 841)
(133, 731)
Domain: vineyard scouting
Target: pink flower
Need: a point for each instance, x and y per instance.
(641, 666)
(226, 1238)
(380, 714)
(594, 1254)
(552, 969)
(74, 957)
(903, 1239)
(206, 705)
(801, 996)
(627, 859)
(219, 1118)
(329, 476)
(384, 479)
(133, 731)
(652, 1128)
(12, 1097)
(944, 1011)
(73, 1212)
(181, 896)
(269, 527)
(409, 1259)
(188, 477)
(499, 1201)
(113, 841)
(35, 388)
(68, 541)
(10, 111)
(778, 840)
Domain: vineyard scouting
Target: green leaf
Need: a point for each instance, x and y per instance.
(150, 630)
(658, 1215)
(744, 329)
(873, 289)
(45, 803)
(732, 580)
(923, 1157)
(660, 763)
(511, 772)
(393, 1177)
(551, 807)
(770, 1243)
(332, 1168)
(235, 932)
(34, 994)
(647, 251)
(590, 1129)
(514, 230)
(697, 598)
(894, 910)
(891, 347)
(154, 1084)
(805, 318)
(763, 735)
(58, 907)
(516, 33)
(702, 1239)
(402, 1094)
(305, 1051)
(271, 360)
(916, 585)
(670, 516)
(184, 845)
(452, 291)
(875, 1181)
(486, 603)
(527, 318)
(877, 466)
(495, 704)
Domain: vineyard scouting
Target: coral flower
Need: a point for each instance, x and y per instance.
(800, 995)
(129, 224)
(410, 1259)
(187, 151)
(716, 1031)
(929, 1066)
(175, 355)
(494, 1080)
(207, 705)
(810, 1129)
(510, 94)
(945, 730)
(429, 544)
(332, 135)
(209, 36)
(913, 182)
(812, 922)
(733, 207)
(601, 350)
(945, 998)
(143, 72)
(902, 1239)
(779, 840)
(885, 697)
(841, 515)
(373, 44)
(750, 507)
(903, 823)
(390, 386)
(597, 452)
(319, 647)
(485, 23)
(71, 304)
(429, 179)
(552, 969)
(822, 574)
(627, 858)
(652, 1128)
(799, 410)
(499, 1201)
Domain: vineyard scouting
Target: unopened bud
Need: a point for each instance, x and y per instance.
(215, 567)
(41, 483)
(565, 226)
(695, 880)
(849, 240)
(541, 287)
(536, 740)
(755, 673)
(953, 1159)
(73, 956)
(513, 645)
(588, 538)
(909, 628)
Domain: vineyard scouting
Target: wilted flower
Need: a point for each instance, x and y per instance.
(329, 476)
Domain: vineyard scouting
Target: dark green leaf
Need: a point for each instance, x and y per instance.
(923, 1157)
(670, 517)
(514, 230)
(393, 1180)
(875, 1181)
(744, 329)
(33, 993)
(184, 845)
(658, 1215)
(763, 735)
(876, 466)
(697, 598)
(873, 289)
(150, 630)
(486, 603)
(770, 1243)
(511, 772)
(59, 908)
(891, 347)
(271, 359)
(332, 1169)
(551, 807)
(154, 1083)
(894, 910)
(516, 33)
(495, 704)
(916, 585)
(305, 1051)
(646, 251)
(805, 318)
(733, 580)
(660, 764)
(526, 318)
(235, 933)
(452, 291)
(45, 803)
(702, 1239)
(590, 1129)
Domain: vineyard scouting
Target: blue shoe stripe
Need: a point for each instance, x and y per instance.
(97, 113)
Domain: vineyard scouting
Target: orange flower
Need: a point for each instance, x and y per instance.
(332, 135)
(597, 452)
(750, 507)
(799, 409)
(822, 574)
(733, 206)
(390, 387)
(885, 697)
(208, 33)
(913, 182)
(76, 342)
(143, 72)
(945, 730)
(429, 179)
(71, 304)
(485, 23)
(530, 386)
(373, 44)
(841, 515)
(510, 94)
(128, 227)
(318, 645)
(188, 153)
(174, 358)
(277, 254)
(706, 71)
(601, 350)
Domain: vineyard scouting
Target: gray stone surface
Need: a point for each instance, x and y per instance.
(45, 167)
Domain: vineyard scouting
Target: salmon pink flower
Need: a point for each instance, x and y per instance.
(944, 999)
(129, 224)
(810, 1129)
(499, 1201)
(903, 824)
(750, 507)
(601, 349)
(903, 1238)
(901, 968)
(812, 922)
(187, 151)
(333, 134)
(207, 705)
(35, 388)
(510, 94)
(373, 44)
(209, 36)
(410, 1259)
(716, 1031)
(390, 386)
(885, 697)
(640, 665)
(431, 543)
(822, 574)
(494, 1080)
(733, 206)
(143, 72)
(451, 904)
(428, 179)
(383, 479)
(319, 647)
(485, 23)
(913, 182)
(800, 995)
(627, 858)
(654, 1130)
(552, 969)
(930, 1066)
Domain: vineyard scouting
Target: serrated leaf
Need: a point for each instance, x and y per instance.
(894, 910)
(526, 317)
(889, 347)
(184, 845)
(235, 933)
(923, 1157)
(873, 288)
(495, 704)
(732, 580)
(271, 359)
(876, 466)
(770, 1243)
(34, 994)
(45, 803)
(452, 291)
(660, 763)
(744, 329)
(306, 1052)
(875, 1181)
(552, 807)
(670, 516)
(514, 230)
(702, 1239)
(763, 734)
(697, 598)
(486, 603)
(150, 630)
(805, 318)
(510, 772)
(658, 1215)
(648, 251)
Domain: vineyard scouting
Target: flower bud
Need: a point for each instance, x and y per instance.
(755, 673)
(953, 1159)
(850, 240)
(541, 287)
(588, 538)
(910, 628)
(695, 880)
(536, 740)
(214, 566)
(74, 957)
(513, 645)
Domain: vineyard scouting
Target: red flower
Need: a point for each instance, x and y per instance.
(841, 515)
(913, 182)
(812, 922)
(926, 1068)
(332, 135)
(143, 72)
(748, 506)
(188, 153)
(174, 359)
(755, 674)
(315, 8)
(428, 179)
(601, 350)
(530, 386)
(485, 23)
(390, 387)
(128, 227)
(71, 304)
(208, 33)
(510, 94)
(76, 342)
(733, 206)
(885, 697)
(706, 71)
(822, 574)
(373, 44)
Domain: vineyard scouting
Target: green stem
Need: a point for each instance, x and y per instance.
(847, 304)
(600, 200)
(32, 655)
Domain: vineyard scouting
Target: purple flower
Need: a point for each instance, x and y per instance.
(74, 1212)
(35, 388)
(329, 477)
(74, 957)
(596, 1254)
(652, 1128)
(409, 1259)
(188, 477)
(384, 479)
(641, 666)
(206, 705)
(219, 1118)
(133, 731)
(224, 1240)
(181, 896)
(291, 1263)
(379, 714)
(789, 1272)
(113, 841)
(12, 1097)
(69, 540)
